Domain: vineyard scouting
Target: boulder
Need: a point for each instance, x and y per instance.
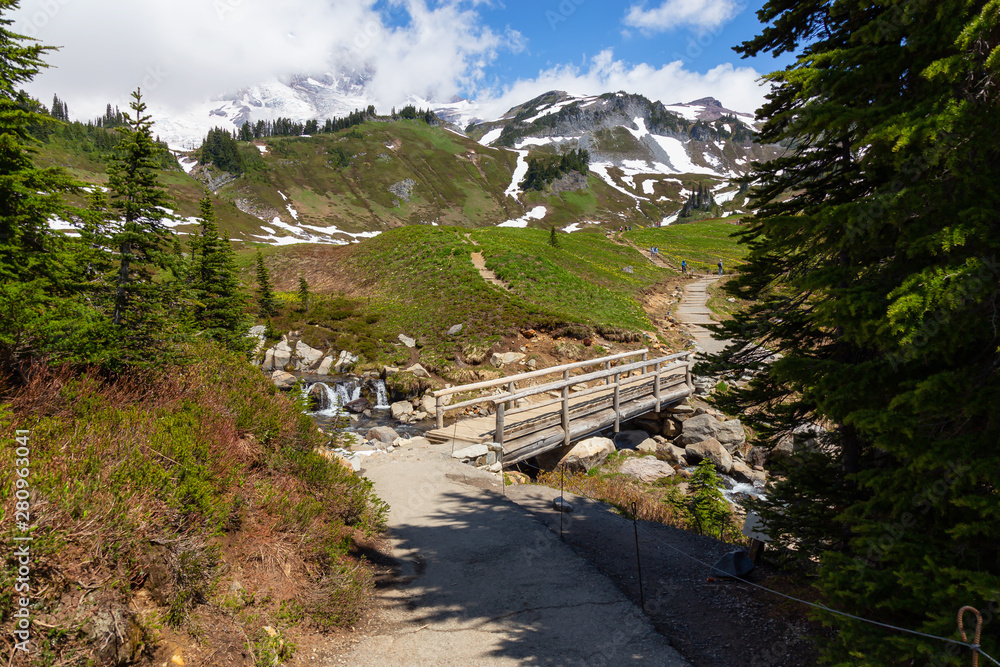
(382, 434)
(757, 456)
(401, 409)
(741, 472)
(711, 449)
(418, 371)
(704, 426)
(455, 329)
(359, 406)
(471, 452)
(580, 457)
(307, 356)
(630, 439)
(389, 370)
(429, 404)
(325, 366)
(419, 416)
(671, 429)
(500, 359)
(283, 380)
(345, 362)
(669, 452)
(647, 469)
(407, 341)
(282, 356)
(258, 332)
(268, 364)
(648, 447)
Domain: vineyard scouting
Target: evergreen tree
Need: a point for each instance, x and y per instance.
(144, 307)
(303, 294)
(220, 309)
(266, 303)
(709, 509)
(874, 267)
(553, 239)
(41, 311)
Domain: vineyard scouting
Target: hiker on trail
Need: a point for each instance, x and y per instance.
(720, 267)
(684, 266)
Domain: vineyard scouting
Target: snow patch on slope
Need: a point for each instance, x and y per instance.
(536, 213)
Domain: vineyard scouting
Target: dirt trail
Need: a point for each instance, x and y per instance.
(693, 311)
(487, 584)
(479, 262)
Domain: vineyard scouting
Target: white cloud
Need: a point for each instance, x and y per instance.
(737, 88)
(698, 14)
(186, 51)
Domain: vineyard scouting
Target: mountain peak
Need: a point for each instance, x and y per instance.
(706, 102)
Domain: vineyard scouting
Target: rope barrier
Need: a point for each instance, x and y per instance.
(974, 646)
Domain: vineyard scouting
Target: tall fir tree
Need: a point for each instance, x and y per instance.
(220, 305)
(873, 268)
(303, 294)
(267, 305)
(146, 305)
(41, 311)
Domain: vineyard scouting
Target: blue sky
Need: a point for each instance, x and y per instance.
(498, 52)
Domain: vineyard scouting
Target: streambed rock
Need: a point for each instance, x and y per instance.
(713, 450)
(647, 469)
(581, 457)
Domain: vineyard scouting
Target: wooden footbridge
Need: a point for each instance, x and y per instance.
(622, 390)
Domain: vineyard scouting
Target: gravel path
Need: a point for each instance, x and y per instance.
(485, 583)
(693, 311)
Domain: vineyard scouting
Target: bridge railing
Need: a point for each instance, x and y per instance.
(511, 381)
(619, 383)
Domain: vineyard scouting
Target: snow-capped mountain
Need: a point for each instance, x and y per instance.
(300, 98)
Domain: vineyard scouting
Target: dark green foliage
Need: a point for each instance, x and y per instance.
(144, 304)
(41, 272)
(874, 264)
(267, 305)
(701, 199)
(553, 238)
(339, 158)
(303, 294)
(222, 150)
(544, 170)
(220, 305)
(709, 510)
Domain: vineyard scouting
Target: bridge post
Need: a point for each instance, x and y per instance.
(645, 357)
(607, 367)
(565, 414)
(618, 414)
(439, 411)
(510, 390)
(499, 433)
(656, 385)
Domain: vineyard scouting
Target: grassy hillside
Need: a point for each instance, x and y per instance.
(329, 186)
(186, 508)
(420, 281)
(702, 243)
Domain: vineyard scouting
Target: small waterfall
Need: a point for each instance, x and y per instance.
(382, 396)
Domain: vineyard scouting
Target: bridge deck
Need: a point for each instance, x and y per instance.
(534, 431)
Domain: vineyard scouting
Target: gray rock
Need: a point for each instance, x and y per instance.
(713, 450)
(500, 359)
(580, 457)
(268, 364)
(325, 366)
(307, 356)
(282, 356)
(671, 429)
(741, 472)
(702, 427)
(429, 404)
(680, 409)
(471, 452)
(283, 380)
(647, 468)
(532, 364)
(389, 370)
(418, 371)
(359, 406)
(345, 362)
(407, 341)
(560, 505)
(382, 434)
(486, 461)
(403, 189)
(630, 439)
(456, 329)
(757, 456)
(258, 332)
(419, 416)
(401, 409)
(648, 447)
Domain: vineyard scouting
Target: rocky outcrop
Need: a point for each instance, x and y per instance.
(580, 457)
(501, 359)
(292, 354)
(283, 380)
